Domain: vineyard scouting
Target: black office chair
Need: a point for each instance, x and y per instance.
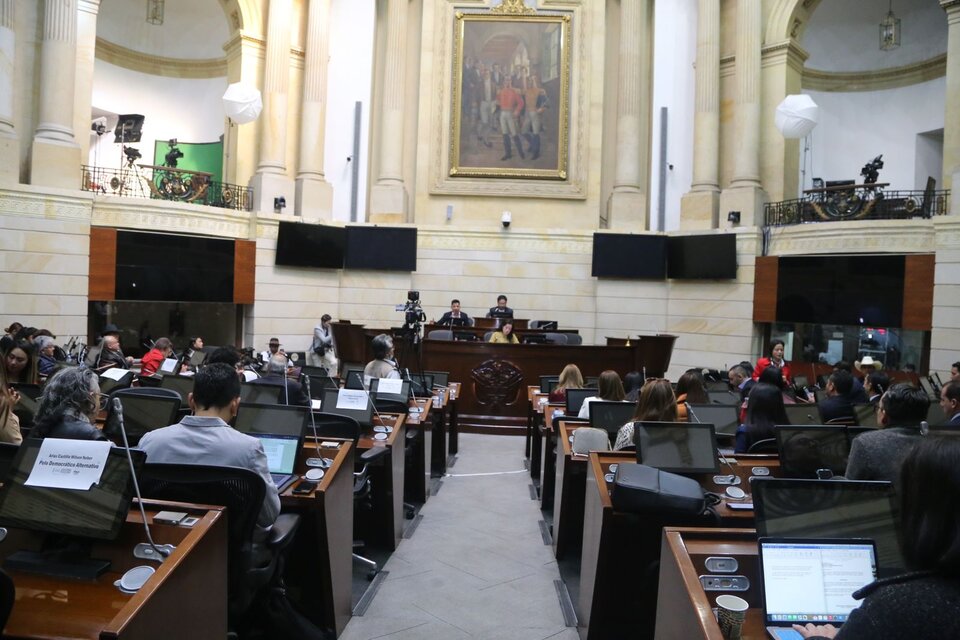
(556, 338)
(767, 445)
(8, 594)
(440, 334)
(574, 338)
(8, 452)
(251, 566)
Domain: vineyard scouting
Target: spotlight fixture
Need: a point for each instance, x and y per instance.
(734, 217)
(279, 203)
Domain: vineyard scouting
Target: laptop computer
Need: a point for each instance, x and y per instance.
(575, 398)
(724, 417)
(421, 384)
(802, 414)
(548, 383)
(281, 457)
(831, 509)
(169, 366)
(261, 393)
(355, 403)
(181, 384)
(812, 581)
(610, 416)
(677, 447)
(866, 414)
(805, 449)
(142, 413)
(256, 419)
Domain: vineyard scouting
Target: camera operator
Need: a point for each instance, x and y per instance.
(322, 351)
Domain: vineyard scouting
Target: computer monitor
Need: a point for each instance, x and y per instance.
(332, 402)
(197, 358)
(319, 383)
(497, 312)
(802, 414)
(724, 417)
(866, 414)
(805, 449)
(548, 383)
(534, 338)
(610, 416)
(724, 397)
(354, 379)
(677, 447)
(575, 398)
(402, 396)
(309, 370)
(440, 378)
(181, 384)
(261, 393)
(831, 509)
(421, 384)
(142, 413)
(272, 419)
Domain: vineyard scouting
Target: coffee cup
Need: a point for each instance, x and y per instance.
(731, 612)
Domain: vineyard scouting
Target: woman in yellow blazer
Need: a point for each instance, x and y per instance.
(505, 335)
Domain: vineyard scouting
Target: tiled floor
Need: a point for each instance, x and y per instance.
(476, 567)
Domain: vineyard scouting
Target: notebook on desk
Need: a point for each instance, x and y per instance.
(812, 581)
(281, 456)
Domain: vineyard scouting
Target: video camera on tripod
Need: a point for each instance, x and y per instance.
(413, 312)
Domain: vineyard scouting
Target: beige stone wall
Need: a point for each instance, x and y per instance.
(945, 337)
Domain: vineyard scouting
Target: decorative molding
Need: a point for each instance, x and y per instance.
(789, 50)
(874, 236)
(167, 216)
(159, 65)
(41, 204)
(513, 8)
(893, 78)
(547, 243)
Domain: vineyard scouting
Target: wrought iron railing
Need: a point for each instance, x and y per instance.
(166, 183)
(857, 204)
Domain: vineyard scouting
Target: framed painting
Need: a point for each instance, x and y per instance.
(511, 94)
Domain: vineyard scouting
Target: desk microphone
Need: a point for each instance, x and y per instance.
(149, 550)
(318, 461)
(733, 478)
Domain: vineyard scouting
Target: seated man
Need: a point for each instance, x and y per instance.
(206, 438)
(950, 402)
(111, 355)
(501, 310)
(383, 364)
(837, 403)
(455, 317)
(877, 455)
(290, 392)
(150, 364)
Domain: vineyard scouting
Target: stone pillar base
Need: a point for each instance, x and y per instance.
(698, 210)
(9, 160)
(314, 199)
(747, 200)
(955, 197)
(55, 164)
(388, 203)
(627, 211)
(267, 186)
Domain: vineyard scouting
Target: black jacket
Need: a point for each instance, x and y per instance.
(71, 428)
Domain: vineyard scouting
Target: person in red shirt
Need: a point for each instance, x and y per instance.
(775, 360)
(510, 103)
(162, 349)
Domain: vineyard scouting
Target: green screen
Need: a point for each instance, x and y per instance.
(197, 156)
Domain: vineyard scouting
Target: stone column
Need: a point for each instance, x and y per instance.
(271, 180)
(9, 142)
(745, 193)
(699, 207)
(55, 154)
(83, 100)
(627, 206)
(388, 197)
(314, 193)
(951, 127)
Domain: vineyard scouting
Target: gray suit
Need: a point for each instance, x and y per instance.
(877, 455)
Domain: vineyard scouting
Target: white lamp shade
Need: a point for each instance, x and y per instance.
(242, 102)
(797, 115)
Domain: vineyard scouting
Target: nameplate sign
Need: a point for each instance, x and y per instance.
(390, 385)
(352, 399)
(69, 464)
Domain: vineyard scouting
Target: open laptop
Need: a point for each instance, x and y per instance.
(261, 393)
(812, 580)
(575, 398)
(610, 416)
(181, 384)
(169, 366)
(724, 417)
(548, 383)
(677, 447)
(281, 457)
(256, 419)
(355, 403)
(421, 384)
(805, 449)
(141, 414)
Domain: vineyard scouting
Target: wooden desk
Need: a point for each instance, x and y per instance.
(416, 484)
(453, 398)
(569, 490)
(684, 609)
(386, 480)
(319, 574)
(186, 598)
(551, 449)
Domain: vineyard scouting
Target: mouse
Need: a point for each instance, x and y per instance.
(736, 493)
(313, 474)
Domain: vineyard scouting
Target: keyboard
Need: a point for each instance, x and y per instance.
(282, 480)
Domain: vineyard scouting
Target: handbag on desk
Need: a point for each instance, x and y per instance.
(638, 488)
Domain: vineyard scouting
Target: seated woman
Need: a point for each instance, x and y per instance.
(47, 348)
(609, 388)
(764, 410)
(153, 359)
(21, 363)
(690, 388)
(924, 602)
(9, 422)
(68, 406)
(570, 378)
(656, 404)
(632, 382)
(504, 335)
(775, 360)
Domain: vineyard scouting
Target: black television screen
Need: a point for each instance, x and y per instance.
(848, 289)
(301, 244)
(381, 248)
(627, 255)
(702, 257)
(174, 268)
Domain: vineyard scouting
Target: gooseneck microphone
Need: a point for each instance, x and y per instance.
(318, 461)
(150, 549)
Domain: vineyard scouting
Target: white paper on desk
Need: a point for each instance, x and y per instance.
(315, 405)
(169, 365)
(114, 373)
(69, 464)
(390, 385)
(352, 399)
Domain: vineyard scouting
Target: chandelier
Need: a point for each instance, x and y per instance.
(155, 11)
(890, 31)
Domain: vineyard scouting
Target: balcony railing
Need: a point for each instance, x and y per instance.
(858, 202)
(166, 183)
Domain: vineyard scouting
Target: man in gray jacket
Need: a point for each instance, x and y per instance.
(877, 455)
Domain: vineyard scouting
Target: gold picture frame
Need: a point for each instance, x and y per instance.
(510, 108)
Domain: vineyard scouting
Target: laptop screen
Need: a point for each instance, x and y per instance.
(831, 509)
(724, 417)
(354, 379)
(575, 398)
(146, 413)
(440, 378)
(803, 450)
(281, 451)
(181, 384)
(610, 415)
(814, 580)
(255, 419)
(677, 447)
(357, 405)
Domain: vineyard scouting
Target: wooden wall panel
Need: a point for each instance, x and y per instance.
(103, 263)
(244, 271)
(765, 288)
(918, 292)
